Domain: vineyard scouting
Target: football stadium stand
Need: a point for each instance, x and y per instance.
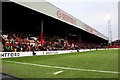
(41, 26)
(115, 44)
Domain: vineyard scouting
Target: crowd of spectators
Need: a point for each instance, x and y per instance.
(21, 42)
(17, 42)
(115, 44)
(54, 43)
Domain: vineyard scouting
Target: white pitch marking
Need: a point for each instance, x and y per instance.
(58, 72)
(65, 68)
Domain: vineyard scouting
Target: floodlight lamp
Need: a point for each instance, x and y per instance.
(108, 17)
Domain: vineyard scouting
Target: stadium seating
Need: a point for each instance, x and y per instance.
(27, 42)
(115, 44)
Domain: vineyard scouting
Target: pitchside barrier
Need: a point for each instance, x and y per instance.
(22, 54)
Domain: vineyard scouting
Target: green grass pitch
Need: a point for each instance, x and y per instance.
(103, 60)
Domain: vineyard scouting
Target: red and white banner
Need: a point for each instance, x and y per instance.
(65, 17)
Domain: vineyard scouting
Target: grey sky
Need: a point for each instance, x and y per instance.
(92, 13)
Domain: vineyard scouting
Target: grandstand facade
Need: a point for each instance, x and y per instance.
(45, 27)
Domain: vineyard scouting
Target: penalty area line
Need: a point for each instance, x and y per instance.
(64, 68)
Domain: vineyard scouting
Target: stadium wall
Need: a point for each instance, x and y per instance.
(23, 54)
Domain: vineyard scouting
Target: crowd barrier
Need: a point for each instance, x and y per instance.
(22, 54)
